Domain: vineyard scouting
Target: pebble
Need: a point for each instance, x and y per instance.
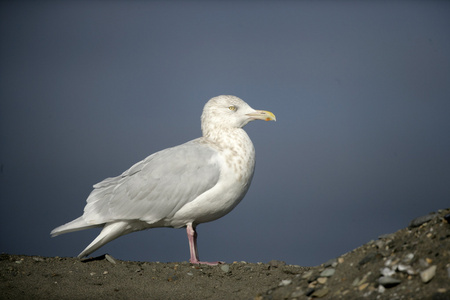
(388, 281)
(428, 274)
(320, 293)
(406, 268)
(296, 294)
(276, 263)
(322, 280)
(423, 263)
(38, 258)
(330, 263)
(225, 268)
(367, 258)
(110, 259)
(408, 257)
(327, 272)
(447, 218)
(190, 273)
(307, 275)
(423, 219)
(363, 286)
(387, 272)
(285, 282)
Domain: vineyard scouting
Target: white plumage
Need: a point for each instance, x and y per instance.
(196, 182)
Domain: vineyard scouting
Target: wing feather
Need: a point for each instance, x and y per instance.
(156, 187)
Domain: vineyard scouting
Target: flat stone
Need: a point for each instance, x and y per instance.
(307, 275)
(327, 272)
(296, 294)
(388, 281)
(110, 259)
(285, 282)
(447, 218)
(330, 263)
(369, 257)
(363, 286)
(322, 280)
(320, 293)
(387, 272)
(276, 263)
(423, 219)
(428, 274)
(225, 268)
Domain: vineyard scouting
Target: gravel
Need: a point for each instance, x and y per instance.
(412, 263)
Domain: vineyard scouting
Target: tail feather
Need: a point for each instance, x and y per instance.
(110, 232)
(75, 225)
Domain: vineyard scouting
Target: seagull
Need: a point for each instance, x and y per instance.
(183, 186)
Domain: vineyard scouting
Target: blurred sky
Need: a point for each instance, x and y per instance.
(361, 91)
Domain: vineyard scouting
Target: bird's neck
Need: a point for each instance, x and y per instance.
(237, 148)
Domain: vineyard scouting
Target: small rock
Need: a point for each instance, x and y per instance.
(423, 263)
(428, 274)
(285, 282)
(447, 218)
(276, 263)
(367, 258)
(92, 273)
(38, 258)
(309, 292)
(190, 273)
(322, 280)
(307, 275)
(408, 257)
(379, 244)
(386, 236)
(320, 293)
(341, 260)
(296, 294)
(363, 286)
(330, 263)
(105, 272)
(110, 259)
(327, 272)
(387, 272)
(225, 268)
(388, 281)
(406, 268)
(355, 282)
(423, 219)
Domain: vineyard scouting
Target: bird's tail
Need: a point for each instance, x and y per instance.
(75, 225)
(110, 232)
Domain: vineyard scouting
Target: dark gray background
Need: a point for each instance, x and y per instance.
(361, 91)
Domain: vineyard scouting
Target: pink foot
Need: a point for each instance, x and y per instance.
(192, 236)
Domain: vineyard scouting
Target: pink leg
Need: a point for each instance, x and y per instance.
(192, 236)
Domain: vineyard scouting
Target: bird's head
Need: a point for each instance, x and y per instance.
(230, 112)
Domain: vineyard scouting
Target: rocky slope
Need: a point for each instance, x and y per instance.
(412, 263)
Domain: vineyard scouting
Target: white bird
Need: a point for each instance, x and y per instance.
(196, 182)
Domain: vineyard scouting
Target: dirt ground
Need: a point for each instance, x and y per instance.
(412, 263)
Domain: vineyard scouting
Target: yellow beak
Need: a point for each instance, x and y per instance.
(262, 115)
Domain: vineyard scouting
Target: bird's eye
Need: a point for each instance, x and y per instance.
(232, 107)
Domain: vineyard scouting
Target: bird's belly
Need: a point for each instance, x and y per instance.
(211, 205)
